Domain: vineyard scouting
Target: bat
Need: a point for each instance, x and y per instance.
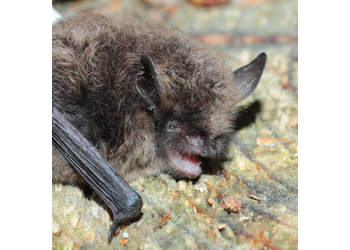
(132, 99)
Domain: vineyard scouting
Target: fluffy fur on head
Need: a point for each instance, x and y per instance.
(95, 67)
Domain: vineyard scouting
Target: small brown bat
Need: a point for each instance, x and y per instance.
(131, 99)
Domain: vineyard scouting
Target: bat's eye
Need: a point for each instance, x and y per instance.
(173, 126)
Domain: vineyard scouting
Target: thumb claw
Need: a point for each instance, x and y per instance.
(113, 229)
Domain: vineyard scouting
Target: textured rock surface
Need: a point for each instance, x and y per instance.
(260, 176)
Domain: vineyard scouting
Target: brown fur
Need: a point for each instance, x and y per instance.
(94, 65)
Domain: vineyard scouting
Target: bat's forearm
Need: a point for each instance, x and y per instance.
(124, 202)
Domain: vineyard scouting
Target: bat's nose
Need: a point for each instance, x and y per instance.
(199, 146)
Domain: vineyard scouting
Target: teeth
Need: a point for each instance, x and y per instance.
(185, 163)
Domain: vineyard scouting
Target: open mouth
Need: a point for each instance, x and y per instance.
(185, 163)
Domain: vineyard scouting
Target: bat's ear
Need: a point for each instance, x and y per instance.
(248, 77)
(146, 82)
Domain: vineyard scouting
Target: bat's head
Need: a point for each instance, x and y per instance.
(193, 107)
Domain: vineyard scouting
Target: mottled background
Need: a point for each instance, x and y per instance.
(253, 202)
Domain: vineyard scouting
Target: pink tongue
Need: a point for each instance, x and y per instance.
(186, 164)
(191, 158)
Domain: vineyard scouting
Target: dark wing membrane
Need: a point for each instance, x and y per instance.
(123, 201)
